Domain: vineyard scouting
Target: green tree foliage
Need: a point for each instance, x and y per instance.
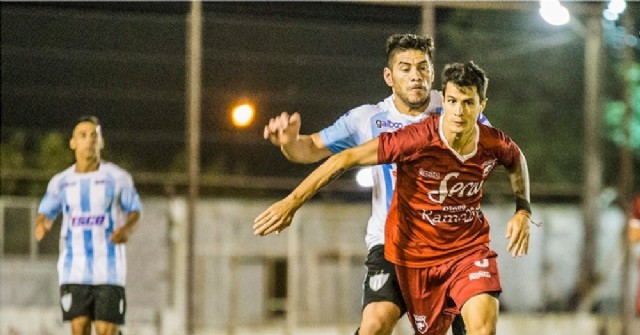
(615, 113)
(51, 156)
(53, 153)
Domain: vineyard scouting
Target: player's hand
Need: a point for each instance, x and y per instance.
(43, 225)
(518, 234)
(120, 235)
(275, 218)
(283, 129)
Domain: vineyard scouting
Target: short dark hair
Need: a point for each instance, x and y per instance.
(463, 75)
(402, 42)
(87, 118)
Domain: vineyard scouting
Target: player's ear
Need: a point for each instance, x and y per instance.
(72, 143)
(483, 104)
(100, 138)
(433, 73)
(388, 78)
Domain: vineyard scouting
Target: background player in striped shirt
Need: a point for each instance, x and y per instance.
(435, 233)
(99, 206)
(409, 73)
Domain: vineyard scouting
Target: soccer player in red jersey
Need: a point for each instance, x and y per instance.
(436, 234)
(634, 237)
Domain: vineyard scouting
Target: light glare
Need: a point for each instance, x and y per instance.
(609, 15)
(364, 177)
(554, 13)
(617, 6)
(242, 115)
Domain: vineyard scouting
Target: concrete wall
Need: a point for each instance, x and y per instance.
(325, 248)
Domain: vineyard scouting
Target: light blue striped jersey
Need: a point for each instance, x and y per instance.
(93, 205)
(364, 123)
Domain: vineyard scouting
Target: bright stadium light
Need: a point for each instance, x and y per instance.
(242, 115)
(617, 6)
(614, 9)
(554, 13)
(364, 177)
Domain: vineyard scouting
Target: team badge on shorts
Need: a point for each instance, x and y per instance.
(421, 323)
(377, 281)
(65, 301)
(482, 263)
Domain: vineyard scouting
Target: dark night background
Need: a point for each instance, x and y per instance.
(125, 63)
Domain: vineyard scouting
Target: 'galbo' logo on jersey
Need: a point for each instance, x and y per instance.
(388, 124)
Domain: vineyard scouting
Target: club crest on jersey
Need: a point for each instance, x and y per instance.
(87, 220)
(377, 281)
(488, 166)
(421, 323)
(482, 263)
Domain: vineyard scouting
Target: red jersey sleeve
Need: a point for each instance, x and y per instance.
(635, 211)
(405, 144)
(503, 147)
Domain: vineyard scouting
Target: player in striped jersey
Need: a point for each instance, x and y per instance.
(435, 232)
(99, 206)
(409, 73)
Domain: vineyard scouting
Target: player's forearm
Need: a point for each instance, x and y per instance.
(41, 219)
(304, 150)
(132, 220)
(520, 184)
(42, 226)
(328, 171)
(332, 168)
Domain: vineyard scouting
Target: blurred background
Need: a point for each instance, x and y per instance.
(165, 79)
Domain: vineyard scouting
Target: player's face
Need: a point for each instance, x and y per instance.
(86, 140)
(461, 106)
(410, 78)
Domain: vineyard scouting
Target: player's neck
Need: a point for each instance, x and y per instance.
(463, 143)
(405, 109)
(88, 164)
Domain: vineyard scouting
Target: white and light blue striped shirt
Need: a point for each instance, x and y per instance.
(363, 124)
(93, 205)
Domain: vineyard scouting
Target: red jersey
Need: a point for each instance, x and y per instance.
(635, 209)
(435, 211)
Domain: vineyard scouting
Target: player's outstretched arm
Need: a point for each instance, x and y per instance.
(284, 131)
(279, 215)
(518, 226)
(43, 225)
